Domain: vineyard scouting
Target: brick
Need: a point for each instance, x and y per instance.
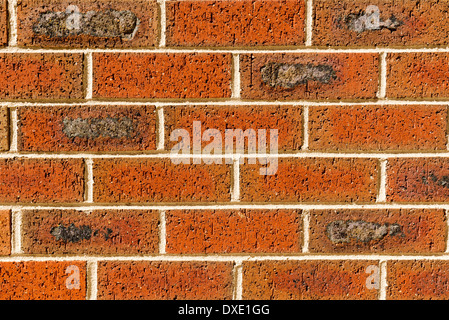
(307, 280)
(377, 231)
(41, 180)
(156, 180)
(99, 232)
(4, 23)
(311, 180)
(39, 280)
(161, 75)
(401, 23)
(4, 129)
(377, 128)
(41, 76)
(418, 180)
(233, 231)
(417, 75)
(417, 280)
(97, 24)
(86, 128)
(235, 23)
(5, 232)
(311, 76)
(128, 280)
(286, 119)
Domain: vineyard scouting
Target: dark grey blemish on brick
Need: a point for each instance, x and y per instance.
(94, 128)
(370, 20)
(71, 233)
(288, 75)
(343, 231)
(443, 181)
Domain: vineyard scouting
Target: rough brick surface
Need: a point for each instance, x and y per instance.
(233, 231)
(307, 280)
(4, 129)
(3, 23)
(92, 128)
(39, 280)
(399, 23)
(235, 23)
(286, 119)
(165, 280)
(5, 232)
(311, 76)
(311, 180)
(154, 180)
(377, 231)
(41, 180)
(418, 280)
(377, 128)
(160, 75)
(418, 180)
(100, 232)
(41, 76)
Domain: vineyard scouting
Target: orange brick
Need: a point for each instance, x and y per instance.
(235, 23)
(232, 231)
(377, 128)
(155, 180)
(99, 232)
(4, 129)
(377, 231)
(3, 23)
(161, 76)
(49, 280)
(307, 280)
(127, 280)
(5, 232)
(91, 128)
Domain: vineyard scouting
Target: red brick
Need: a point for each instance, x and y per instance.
(324, 76)
(35, 31)
(418, 23)
(155, 180)
(233, 231)
(286, 119)
(99, 232)
(307, 280)
(418, 280)
(417, 75)
(235, 23)
(127, 280)
(5, 232)
(311, 180)
(3, 23)
(41, 76)
(41, 180)
(418, 180)
(36, 280)
(161, 76)
(4, 129)
(377, 231)
(87, 128)
(377, 128)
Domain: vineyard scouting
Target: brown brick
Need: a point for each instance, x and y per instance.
(235, 23)
(418, 280)
(307, 280)
(420, 75)
(4, 129)
(312, 76)
(155, 180)
(418, 180)
(377, 231)
(286, 119)
(5, 232)
(127, 280)
(377, 128)
(161, 75)
(41, 76)
(402, 22)
(87, 128)
(233, 231)
(41, 180)
(311, 180)
(39, 280)
(3, 23)
(99, 232)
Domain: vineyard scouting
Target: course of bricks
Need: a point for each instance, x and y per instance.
(93, 204)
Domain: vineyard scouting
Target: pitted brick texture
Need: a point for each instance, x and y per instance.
(4, 129)
(5, 232)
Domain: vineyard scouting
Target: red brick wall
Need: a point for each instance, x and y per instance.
(94, 203)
